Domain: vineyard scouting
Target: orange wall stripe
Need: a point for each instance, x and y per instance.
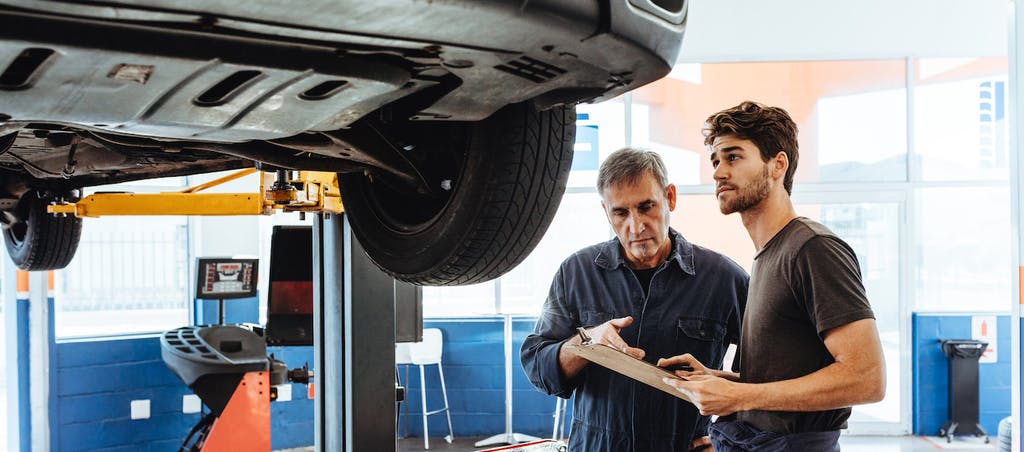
(21, 278)
(1020, 282)
(49, 280)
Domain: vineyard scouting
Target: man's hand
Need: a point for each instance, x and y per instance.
(710, 394)
(702, 444)
(697, 366)
(685, 360)
(606, 333)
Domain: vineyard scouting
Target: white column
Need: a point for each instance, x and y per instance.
(40, 324)
(10, 332)
(1016, 107)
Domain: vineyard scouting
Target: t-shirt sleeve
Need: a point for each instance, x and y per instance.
(828, 277)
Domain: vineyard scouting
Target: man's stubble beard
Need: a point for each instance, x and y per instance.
(750, 196)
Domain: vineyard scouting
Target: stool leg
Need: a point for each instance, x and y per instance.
(423, 397)
(398, 409)
(407, 401)
(558, 416)
(447, 412)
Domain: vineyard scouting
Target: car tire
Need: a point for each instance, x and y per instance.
(511, 173)
(40, 240)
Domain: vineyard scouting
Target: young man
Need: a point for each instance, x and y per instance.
(809, 348)
(648, 292)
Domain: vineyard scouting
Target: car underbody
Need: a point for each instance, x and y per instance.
(101, 93)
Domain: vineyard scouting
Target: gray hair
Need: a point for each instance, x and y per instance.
(629, 165)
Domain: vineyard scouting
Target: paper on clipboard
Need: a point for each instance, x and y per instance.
(629, 366)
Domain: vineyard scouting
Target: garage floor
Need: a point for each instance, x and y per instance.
(848, 444)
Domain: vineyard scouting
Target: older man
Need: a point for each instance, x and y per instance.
(650, 293)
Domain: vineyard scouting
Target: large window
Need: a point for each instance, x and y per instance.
(960, 119)
(580, 222)
(130, 274)
(851, 115)
(962, 244)
(906, 159)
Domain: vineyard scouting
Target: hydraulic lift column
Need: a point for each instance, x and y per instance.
(354, 343)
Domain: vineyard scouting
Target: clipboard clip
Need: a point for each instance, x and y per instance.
(584, 338)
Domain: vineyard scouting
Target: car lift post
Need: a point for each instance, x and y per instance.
(354, 332)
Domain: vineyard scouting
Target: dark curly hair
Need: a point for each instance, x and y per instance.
(770, 128)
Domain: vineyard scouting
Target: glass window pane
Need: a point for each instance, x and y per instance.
(459, 301)
(600, 130)
(964, 258)
(698, 219)
(851, 115)
(130, 275)
(872, 230)
(960, 118)
(580, 222)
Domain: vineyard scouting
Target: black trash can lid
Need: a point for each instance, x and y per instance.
(963, 348)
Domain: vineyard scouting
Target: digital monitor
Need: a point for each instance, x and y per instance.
(225, 277)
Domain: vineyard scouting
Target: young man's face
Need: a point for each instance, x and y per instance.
(639, 213)
(742, 179)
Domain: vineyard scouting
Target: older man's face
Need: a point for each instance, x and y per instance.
(639, 213)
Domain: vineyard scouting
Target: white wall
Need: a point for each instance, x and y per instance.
(227, 235)
(777, 30)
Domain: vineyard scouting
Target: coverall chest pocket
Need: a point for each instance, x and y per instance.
(702, 338)
(591, 319)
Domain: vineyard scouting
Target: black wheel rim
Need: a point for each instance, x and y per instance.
(439, 155)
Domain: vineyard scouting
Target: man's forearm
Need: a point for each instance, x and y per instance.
(570, 364)
(834, 386)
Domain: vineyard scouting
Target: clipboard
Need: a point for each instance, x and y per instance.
(618, 361)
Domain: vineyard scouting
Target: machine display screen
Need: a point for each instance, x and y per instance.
(220, 278)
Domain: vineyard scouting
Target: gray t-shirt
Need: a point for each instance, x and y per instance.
(804, 281)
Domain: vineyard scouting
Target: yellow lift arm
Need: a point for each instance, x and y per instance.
(311, 191)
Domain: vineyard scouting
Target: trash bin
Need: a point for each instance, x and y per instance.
(963, 357)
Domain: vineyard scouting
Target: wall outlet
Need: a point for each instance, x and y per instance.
(190, 403)
(284, 392)
(140, 409)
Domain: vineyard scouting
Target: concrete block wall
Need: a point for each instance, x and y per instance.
(96, 381)
(931, 373)
(473, 359)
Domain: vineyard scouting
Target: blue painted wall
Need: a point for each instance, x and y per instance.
(473, 359)
(95, 382)
(931, 373)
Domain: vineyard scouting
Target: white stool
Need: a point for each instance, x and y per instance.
(423, 354)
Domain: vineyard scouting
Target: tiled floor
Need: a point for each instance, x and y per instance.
(848, 444)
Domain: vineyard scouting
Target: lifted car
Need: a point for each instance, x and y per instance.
(450, 123)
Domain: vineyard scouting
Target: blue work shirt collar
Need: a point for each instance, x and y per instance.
(611, 256)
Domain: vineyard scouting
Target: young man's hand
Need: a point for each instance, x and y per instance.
(685, 360)
(711, 395)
